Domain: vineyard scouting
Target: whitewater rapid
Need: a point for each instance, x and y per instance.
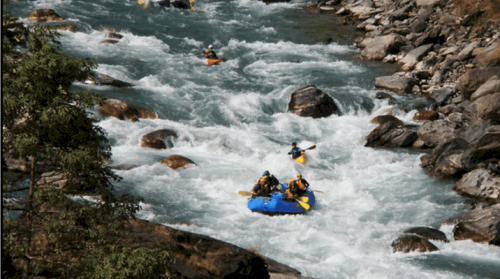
(231, 120)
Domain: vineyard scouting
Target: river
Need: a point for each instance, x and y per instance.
(232, 121)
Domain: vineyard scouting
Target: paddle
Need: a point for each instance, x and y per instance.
(317, 191)
(245, 193)
(303, 204)
(311, 148)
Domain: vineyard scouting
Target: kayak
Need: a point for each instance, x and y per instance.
(213, 61)
(302, 159)
(277, 205)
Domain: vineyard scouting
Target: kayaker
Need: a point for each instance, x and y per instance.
(296, 152)
(292, 190)
(263, 186)
(210, 54)
(302, 184)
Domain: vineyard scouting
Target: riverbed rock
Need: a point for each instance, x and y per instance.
(410, 243)
(486, 107)
(377, 48)
(96, 78)
(467, 51)
(432, 35)
(415, 55)
(177, 161)
(442, 95)
(445, 159)
(382, 119)
(113, 36)
(489, 87)
(395, 83)
(390, 135)
(424, 115)
(480, 183)
(489, 57)
(45, 15)
(310, 101)
(67, 27)
(383, 95)
(108, 41)
(157, 139)
(428, 233)
(484, 143)
(435, 132)
(121, 110)
(482, 224)
(473, 79)
(427, 3)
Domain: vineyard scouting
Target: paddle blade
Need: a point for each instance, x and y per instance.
(304, 199)
(223, 59)
(303, 204)
(316, 191)
(311, 148)
(245, 193)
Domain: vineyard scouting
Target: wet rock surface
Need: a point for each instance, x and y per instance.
(177, 161)
(410, 243)
(311, 102)
(121, 110)
(159, 139)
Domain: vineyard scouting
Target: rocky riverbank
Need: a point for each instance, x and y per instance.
(449, 53)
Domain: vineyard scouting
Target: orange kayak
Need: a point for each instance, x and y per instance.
(213, 61)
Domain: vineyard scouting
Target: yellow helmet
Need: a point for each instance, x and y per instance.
(299, 175)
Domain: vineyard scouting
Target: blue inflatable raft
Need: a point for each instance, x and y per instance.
(276, 204)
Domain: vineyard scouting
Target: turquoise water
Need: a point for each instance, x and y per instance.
(232, 121)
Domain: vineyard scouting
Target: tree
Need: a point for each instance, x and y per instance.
(47, 123)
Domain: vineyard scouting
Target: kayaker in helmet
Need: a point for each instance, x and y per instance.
(210, 54)
(292, 190)
(296, 152)
(263, 186)
(302, 184)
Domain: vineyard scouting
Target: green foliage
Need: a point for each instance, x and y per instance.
(44, 121)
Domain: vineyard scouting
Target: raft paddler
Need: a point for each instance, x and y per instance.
(302, 184)
(263, 186)
(296, 152)
(210, 54)
(292, 190)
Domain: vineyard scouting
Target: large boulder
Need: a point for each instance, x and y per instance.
(481, 224)
(489, 87)
(377, 48)
(467, 51)
(473, 79)
(177, 161)
(390, 135)
(410, 243)
(395, 83)
(424, 115)
(489, 57)
(428, 233)
(96, 78)
(484, 144)
(442, 95)
(445, 159)
(427, 3)
(432, 35)
(121, 110)
(415, 55)
(157, 139)
(486, 107)
(480, 183)
(311, 102)
(44, 15)
(435, 132)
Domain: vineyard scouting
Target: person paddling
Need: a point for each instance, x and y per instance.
(296, 152)
(263, 186)
(302, 184)
(210, 54)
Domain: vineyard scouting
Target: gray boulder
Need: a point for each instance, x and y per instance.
(442, 95)
(486, 107)
(445, 159)
(480, 183)
(311, 102)
(410, 243)
(473, 79)
(484, 144)
(491, 86)
(432, 35)
(390, 135)
(435, 132)
(427, 3)
(489, 57)
(467, 51)
(394, 83)
(415, 55)
(96, 78)
(377, 48)
(481, 224)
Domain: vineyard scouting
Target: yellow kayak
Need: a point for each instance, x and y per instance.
(302, 159)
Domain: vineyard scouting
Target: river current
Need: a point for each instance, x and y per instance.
(232, 121)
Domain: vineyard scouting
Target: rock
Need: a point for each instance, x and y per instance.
(68, 27)
(432, 35)
(416, 55)
(430, 115)
(481, 224)
(448, 50)
(402, 13)
(473, 79)
(44, 15)
(418, 27)
(156, 139)
(435, 132)
(398, 84)
(484, 143)
(467, 51)
(96, 78)
(489, 57)
(428, 233)
(57, 179)
(445, 159)
(382, 95)
(363, 12)
(489, 87)
(113, 36)
(108, 41)
(447, 19)
(480, 183)
(121, 109)
(472, 18)
(442, 95)
(364, 3)
(311, 102)
(382, 119)
(15, 164)
(390, 135)
(427, 3)
(410, 243)
(377, 48)
(449, 109)
(177, 161)
(327, 8)
(486, 107)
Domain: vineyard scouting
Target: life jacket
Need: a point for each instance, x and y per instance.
(291, 189)
(264, 180)
(301, 185)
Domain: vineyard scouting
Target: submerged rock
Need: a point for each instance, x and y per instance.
(410, 243)
(311, 102)
(44, 15)
(424, 115)
(96, 78)
(482, 224)
(177, 161)
(428, 233)
(156, 139)
(121, 110)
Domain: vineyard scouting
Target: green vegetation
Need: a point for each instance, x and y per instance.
(59, 234)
